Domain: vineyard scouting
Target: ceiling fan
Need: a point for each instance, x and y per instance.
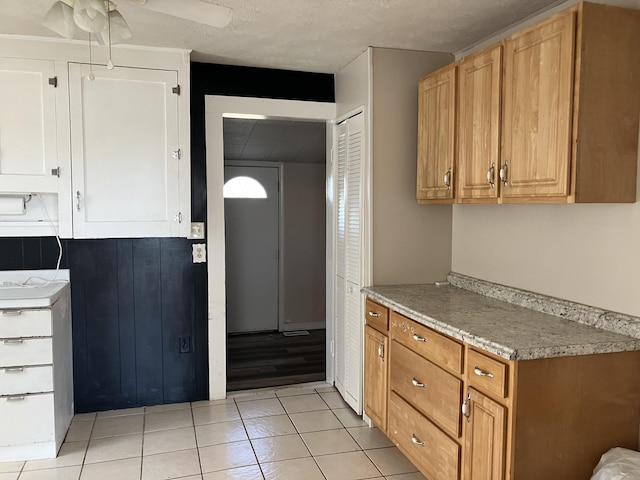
(200, 11)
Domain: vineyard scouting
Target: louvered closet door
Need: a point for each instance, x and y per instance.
(349, 261)
(341, 254)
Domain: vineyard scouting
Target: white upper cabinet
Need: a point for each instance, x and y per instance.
(28, 150)
(125, 152)
(102, 158)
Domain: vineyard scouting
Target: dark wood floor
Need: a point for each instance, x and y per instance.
(257, 360)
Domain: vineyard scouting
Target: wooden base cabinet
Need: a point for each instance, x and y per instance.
(461, 413)
(376, 363)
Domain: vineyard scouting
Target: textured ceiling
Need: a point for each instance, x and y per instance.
(274, 140)
(306, 35)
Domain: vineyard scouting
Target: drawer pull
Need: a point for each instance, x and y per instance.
(374, 314)
(14, 370)
(13, 341)
(481, 373)
(416, 441)
(11, 313)
(16, 398)
(466, 406)
(416, 383)
(419, 339)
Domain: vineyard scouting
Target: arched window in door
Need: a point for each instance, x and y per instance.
(243, 187)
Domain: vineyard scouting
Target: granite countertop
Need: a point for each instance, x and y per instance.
(507, 330)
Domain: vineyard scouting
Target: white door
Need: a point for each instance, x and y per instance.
(28, 146)
(252, 248)
(124, 132)
(348, 310)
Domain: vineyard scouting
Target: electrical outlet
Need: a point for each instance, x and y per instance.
(199, 253)
(197, 231)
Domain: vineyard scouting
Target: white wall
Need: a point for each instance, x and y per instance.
(304, 245)
(584, 253)
(411, 242)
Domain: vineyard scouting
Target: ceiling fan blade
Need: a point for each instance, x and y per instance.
(200, 11)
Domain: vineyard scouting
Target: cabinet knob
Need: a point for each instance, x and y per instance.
(416, 441)
(491, 174)
(504, 171)
(447, 179)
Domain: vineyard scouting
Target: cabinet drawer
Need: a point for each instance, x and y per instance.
(19, 380)
(25, 323)
(434, 392)
(16, 352)
(435, 454)
(377, 316)
(26, 419)
(487, 374)
(432, 345)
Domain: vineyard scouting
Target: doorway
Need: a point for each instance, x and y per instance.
(252, 225)
(216, 109)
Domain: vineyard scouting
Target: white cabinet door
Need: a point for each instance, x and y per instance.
(28, 148)
(125, 152)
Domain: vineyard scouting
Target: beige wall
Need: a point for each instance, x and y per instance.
(584, 253)
(352, 85)
(411, 242)
(304, 244)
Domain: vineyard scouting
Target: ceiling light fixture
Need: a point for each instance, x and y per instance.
(98, 17)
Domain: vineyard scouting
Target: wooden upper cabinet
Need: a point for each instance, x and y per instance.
(537, 109)
(571, 108)
(480, 83)
(437, 136)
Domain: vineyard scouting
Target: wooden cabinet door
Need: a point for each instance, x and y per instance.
(538, 86)
(436, 136)
(125, 152)
(28, 144)
(375, 376)
(480, 83)
(484, 437)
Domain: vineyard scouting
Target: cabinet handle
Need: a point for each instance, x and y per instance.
(447, 179)
(481, 373)
(13, 341)
(419, 339)
(11, 313)
(374, 314)
(491, 174)
(504, 171)
(416, 441)
(416, 383)
(14, 370)
(381, 350)
(15, 398)
(466, 408)
(78, 200)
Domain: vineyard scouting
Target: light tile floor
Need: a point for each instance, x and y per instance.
(303, 432)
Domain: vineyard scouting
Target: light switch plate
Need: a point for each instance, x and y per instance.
(197, 231)
(199, 252)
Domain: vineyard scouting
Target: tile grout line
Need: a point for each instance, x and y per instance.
(249, 439)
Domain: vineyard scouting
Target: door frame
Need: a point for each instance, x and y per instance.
(216, 108)
(278, 165)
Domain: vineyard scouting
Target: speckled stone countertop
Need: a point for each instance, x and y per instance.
(497, 326)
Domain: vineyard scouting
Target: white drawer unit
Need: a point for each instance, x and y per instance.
(36, 369)
(25, 323)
